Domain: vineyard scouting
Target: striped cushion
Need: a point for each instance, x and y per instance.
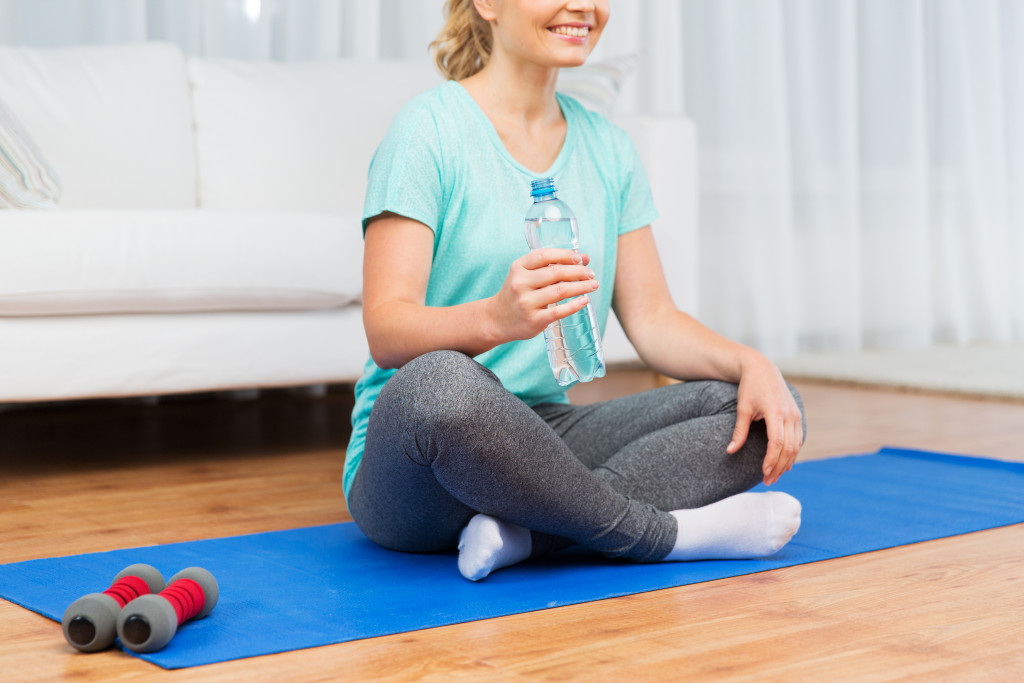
(26, 180)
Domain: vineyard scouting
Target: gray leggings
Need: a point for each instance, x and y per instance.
(446, 440)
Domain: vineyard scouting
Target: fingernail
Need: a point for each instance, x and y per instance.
(591, 273)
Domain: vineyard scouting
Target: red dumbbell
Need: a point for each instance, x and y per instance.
(148, 623)
(90, 622)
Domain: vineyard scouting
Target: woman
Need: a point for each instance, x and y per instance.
(461, 436)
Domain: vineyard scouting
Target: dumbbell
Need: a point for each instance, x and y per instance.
(148, 623)
(90, 622)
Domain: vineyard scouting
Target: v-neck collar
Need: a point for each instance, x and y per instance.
(492, 133)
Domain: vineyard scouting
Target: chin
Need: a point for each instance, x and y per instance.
(579, 61)
(570, 61)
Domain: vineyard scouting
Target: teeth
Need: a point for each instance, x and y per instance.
(577, 32)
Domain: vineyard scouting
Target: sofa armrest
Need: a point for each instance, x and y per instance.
(667, 145)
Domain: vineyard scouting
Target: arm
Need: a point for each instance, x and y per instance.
(675, 344)
(397, 259)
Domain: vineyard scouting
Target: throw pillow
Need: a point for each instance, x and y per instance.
(26, 180)
(596, 86)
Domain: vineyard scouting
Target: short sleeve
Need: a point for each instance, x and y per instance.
(637, 203)
(406, 171)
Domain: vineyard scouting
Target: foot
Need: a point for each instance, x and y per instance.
(487, 544)
(743, 526)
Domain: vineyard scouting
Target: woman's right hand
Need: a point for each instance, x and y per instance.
(397, 262)
(534, 282)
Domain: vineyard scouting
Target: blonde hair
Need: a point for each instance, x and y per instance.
(464, 44)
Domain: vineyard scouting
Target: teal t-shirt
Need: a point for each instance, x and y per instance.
(443, 164)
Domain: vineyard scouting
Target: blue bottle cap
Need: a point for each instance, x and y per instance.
(539, 188)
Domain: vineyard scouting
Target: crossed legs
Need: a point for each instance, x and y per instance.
(644, 477)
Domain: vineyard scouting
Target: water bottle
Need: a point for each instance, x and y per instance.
(574, 343)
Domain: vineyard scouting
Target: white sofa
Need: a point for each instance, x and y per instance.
(208, 234)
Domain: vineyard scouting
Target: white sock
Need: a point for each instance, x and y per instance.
(743, 526)
(487, 543)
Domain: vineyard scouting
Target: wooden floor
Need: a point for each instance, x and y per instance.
(99, 476)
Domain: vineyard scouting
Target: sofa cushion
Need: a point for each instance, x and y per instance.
(26, 180)
(94, 356)
(295, 136)
(90, 262)
(113, 121)
(597, 85)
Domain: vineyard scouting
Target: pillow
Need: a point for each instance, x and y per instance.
(596, 86)
(26, 180)
(114, 119)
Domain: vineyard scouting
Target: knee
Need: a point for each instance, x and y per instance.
(435, 367)
(718, 397)
(758, 429)
(800, 404)
(431, 375)
(722, 397)
(436, 389)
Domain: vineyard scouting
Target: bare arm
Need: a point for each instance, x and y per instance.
(668, 340)
(397, 260)
(675, 344)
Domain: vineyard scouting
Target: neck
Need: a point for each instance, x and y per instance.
(516, 91)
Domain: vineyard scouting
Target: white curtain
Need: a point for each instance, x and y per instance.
(245, 29)
(861, 161)
(323, 29)
(862, 170)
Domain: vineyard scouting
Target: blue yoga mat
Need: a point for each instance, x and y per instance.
(287, 590)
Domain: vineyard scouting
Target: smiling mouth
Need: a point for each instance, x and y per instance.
(572, 31)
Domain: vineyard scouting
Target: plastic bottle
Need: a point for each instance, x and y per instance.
(574, 343)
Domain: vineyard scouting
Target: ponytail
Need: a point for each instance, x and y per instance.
(463, 46)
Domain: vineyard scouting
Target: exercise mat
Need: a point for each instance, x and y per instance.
(300, 588)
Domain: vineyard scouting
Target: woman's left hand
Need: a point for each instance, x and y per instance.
(764, 395)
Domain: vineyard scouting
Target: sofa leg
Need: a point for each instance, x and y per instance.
(240, 394)
(309, 391)
(145, 401)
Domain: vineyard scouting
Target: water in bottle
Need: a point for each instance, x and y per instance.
(574, 343)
